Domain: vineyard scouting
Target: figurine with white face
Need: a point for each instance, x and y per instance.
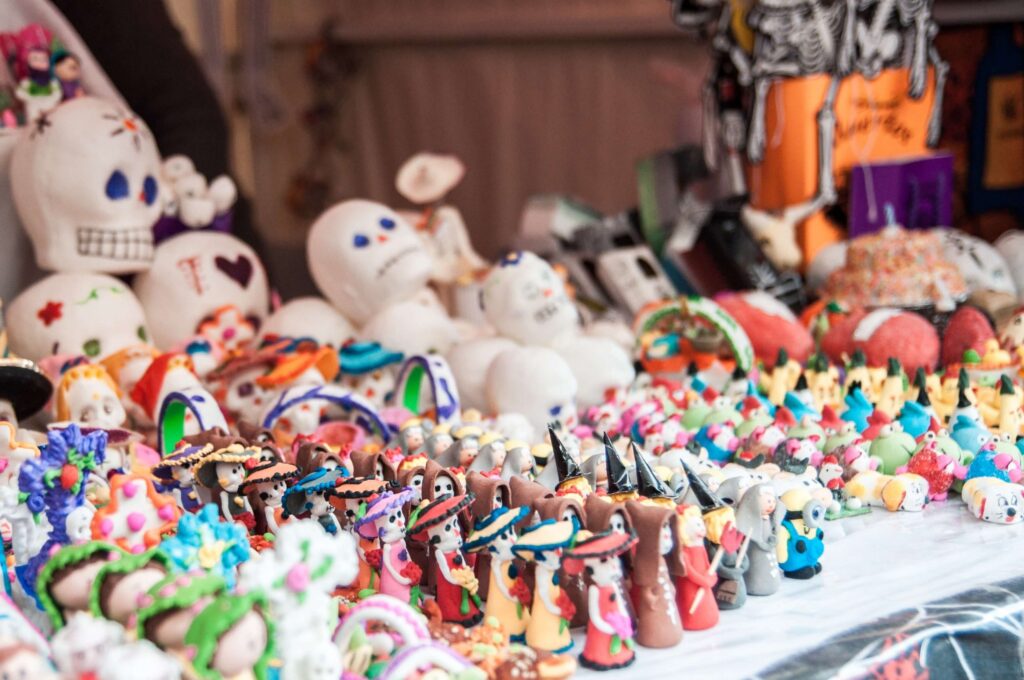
(80, 646)
(22, 660)
(87, 395)
(92, 315)
(535, 382)
(199, 275)
(383, 259)
(84, 181)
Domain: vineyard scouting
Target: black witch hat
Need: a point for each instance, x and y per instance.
(707, 498)
(565, 465)
(618, 475)
(648, 483)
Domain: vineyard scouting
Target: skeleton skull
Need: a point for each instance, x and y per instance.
(84, 180)
(364, 257)
(75, 314)
(196, 275)
(524, 300)
(87, 395)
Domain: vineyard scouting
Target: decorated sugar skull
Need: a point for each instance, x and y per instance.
(94, 315)
(525, 300)
(383, 259)
(535, 382)
(84, 180)
(308, 317)
(982, 266)
(87, 395)
(195, 280)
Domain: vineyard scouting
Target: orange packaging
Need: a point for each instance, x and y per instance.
(875, 120)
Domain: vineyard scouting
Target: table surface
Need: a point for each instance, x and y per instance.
(874, 565)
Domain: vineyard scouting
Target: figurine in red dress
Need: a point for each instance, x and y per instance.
(437, 524)
(696, 600)
(610, 629)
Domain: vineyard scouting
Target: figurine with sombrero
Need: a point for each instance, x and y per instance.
(437, 524)
(265, 487)
(552, 610)
(508, 596)
(310, 497)
(222, 471)
(349, 499)
(368, 370)
(175, 476)
(610, 628)
(384, 521)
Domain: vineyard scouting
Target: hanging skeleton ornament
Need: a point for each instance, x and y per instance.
(85, 182)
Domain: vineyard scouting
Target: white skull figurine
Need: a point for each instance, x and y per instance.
(196, 275)
(468, 362)
(309, 317)
(525, 300)
(535, 382)
(365, 258)
(75, 314)
(85, 182)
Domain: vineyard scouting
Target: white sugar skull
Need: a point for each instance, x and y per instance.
(84, 180)
(93, 315)
(374, 386)
(535, 382)
(309, 317)
(245, 397)
(982, 266)
(87, 395)
(364, 257)
(196, 275)
(525, 300)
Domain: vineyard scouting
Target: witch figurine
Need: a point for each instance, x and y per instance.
(562, 473)
(437, 524)
(610, 628)
(384, 521)
(310, 497)
(349, 499)
(758, 517)
(552, 610)
(657, 559)
(694, 594)
(620, 486)
(509, 597)
(648, 484)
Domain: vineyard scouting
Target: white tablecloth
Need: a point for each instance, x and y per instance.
(874, 565)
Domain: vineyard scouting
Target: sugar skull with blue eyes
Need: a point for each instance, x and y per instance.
(525, 300)
(364, 257)
(84, 181)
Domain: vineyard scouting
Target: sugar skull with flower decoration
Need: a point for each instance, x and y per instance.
(87, 395)
(84, 181)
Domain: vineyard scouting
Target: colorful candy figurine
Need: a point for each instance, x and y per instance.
(552, 610)
(114, 594)
(349, 499)
(657, 559)
(223, 471)
(610, 630)
(230, 639)
(993, 500)
(80, 647)
(892, 448)
(175, 474)
(265, 488)
(136, 517)
(800, 545)
(758, 517)
(312, 494)
(204, 541)
(905, 491)
(437, 524)
(23, 660)
(508, 598)
(167, 610)
(62, 587)
(939, 469)
(694, 593)
(384, 521)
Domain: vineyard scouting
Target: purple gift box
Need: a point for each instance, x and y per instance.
(917, 191)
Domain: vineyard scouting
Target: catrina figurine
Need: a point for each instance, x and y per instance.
(384, 521)
(170, 606)
(438, 482)
(311, 456)
(509, 596)
(265, 487)
(568, 508)
(114, 594)
(603, 515)
(231, 639)
(491, 493)
(310, 496)
(349, 498)
(552, 610)
(657, 559)
(374, 465)
(175, 475)
(610, 628)
(758, 516)
(63, 584)
(437, 524)
(523, 494)
(223, 471)
(694, 594)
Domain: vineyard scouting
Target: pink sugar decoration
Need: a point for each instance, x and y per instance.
(166, 512)
(106, 526)
(130, 489)
(136, 520)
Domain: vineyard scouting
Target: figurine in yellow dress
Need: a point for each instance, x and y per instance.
(508, 596)
(552, 610)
